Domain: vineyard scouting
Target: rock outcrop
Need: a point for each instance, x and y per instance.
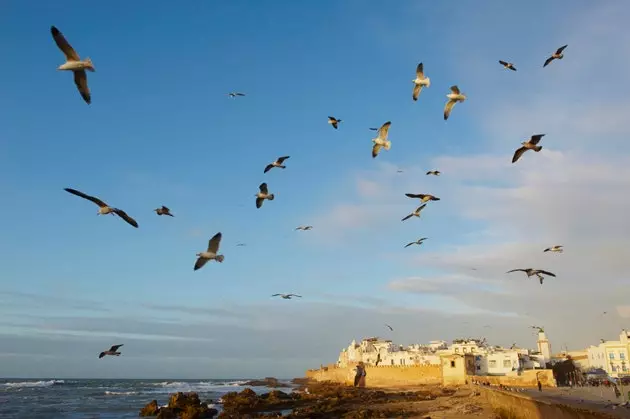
(266, 382)
(180, 406)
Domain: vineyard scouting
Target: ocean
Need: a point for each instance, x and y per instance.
(102, 399)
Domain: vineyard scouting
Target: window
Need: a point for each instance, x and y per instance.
(507, 363)
(456, 350)
(392, 362)
(402, 362)
(492, 363)
(611, 355)
(478, 367)
(465, 350)
(622, 356)
(452, 364)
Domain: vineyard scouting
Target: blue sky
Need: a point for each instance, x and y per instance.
(161, 131)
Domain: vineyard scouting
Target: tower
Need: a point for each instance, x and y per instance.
(544, 347)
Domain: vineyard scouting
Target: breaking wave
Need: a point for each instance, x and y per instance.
(22, 384)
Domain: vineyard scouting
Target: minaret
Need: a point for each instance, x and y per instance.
(544, 347)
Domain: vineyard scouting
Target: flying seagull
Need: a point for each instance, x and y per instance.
(434, 172)
(104, 208)
(263, 194)
(507, 65)
(418, 242)
(240, 244)
(556, 55)
(453, 98)
(334, 121)
(112, 351)
(277, 163)
(531, 272)
(416, 213)
(530, 144)
(235, 94)
(286, 296)
(373, 129)
(74, 63)
(304, 228)
(390, 328)
(557, 249)
(163, 211)
(423, 197)
(381, 139)
(211, 253)
(420, 81)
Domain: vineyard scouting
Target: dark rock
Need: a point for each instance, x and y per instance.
(151, 409)
(182, 406)
(267, 382)
(166, 413)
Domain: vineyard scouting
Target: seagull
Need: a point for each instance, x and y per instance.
(286, 296)
(390, 328)
(373, 129)
(234, 94)
(453, 98)
(74, 63)
(507, 65)
(263, 194)
(240, 244)
(556, 55)
(277, 163)
(418, 242)
(104, 208)
(112, 351)
(420, 81)
(211, 253)
(531, 272)
(399, 171)
(381, 139)
(334, 121)
(557, 249)
(423, 197)
(416, 213)
(530, 144)
(434, 172)
(163, 211)
(304, 228)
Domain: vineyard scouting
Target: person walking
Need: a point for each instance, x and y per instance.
(539, 386)
(358, 374)
(362, 377)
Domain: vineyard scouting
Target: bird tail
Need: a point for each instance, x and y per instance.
(282, 167)
(428, 82)
(220, 258)
(89, 65)
(537, 148)
(270, 197)
(387, 145)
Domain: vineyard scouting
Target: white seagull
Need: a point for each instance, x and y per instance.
(235, 94)
(418, 242)
(381, 139)
(304, 228)
(507, 65)
(416, 213)
(420, 81)
(74, 63)
(286, 296)
(555, 249)
(558, 55)
(531, 144)
(263, 194)
(211, 253)
(277, 163)
(334, 121)
(104, 209)
(113, 351)
(531, 272)
(453, 98)
(434, 172)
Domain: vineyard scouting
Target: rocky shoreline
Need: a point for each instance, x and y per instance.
(328, 400)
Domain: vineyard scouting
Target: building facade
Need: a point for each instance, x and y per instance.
(613, 356)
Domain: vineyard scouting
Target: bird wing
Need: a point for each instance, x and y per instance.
(503, 62)
(430, 172)
(88, 197)
(295, 295)
(546, 273)
(416, 91)
(409, 244)
(263, 188)
(547, 249)
(240, 94)
(407, 217)
(415, 195)
(518, 153)
(80, 79)
(335, 124)
(447, 108)
(259, 202)
(420, 71)
(376, 149)
(122, 214)
(512, 67)
(275, 295)
(455, 89)
(517, 270)
(268, 168)
(390, 328)
(200, 262)
(64, 46)
(281, 159)
(114, 348)
(332, 119)
(423, 239)
(535, 139)
(421, 207)
(382, 132)
(213, 244)
(559, 50)
(165, 209)
(547, 61)
(373, 129)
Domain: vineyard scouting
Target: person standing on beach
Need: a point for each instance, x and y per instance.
(359, 373)
(362, 377)
(539, 386)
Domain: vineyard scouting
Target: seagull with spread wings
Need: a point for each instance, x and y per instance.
(113, 351)
(263, 194)
(334, 121)
(531, 272)
(558, 55)
(390, 328)
(163, 211)
(555, 249)
(304, 228)
(211, 253)
(531, 144)
(420, 81)
(453, 97)
(104, 209)
(286, 296)
(434, 172)
(235, 94)
(418, 242)
(381, 139)
(74, 63)
(507, 65)
(416, 213)
(423, 197)
(277, 163)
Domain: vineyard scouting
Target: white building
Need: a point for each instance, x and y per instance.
(544, 347)
(613, 356)
(373, 350)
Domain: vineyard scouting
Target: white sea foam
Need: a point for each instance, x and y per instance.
(32, 383)
(120, 393)
(197, 386)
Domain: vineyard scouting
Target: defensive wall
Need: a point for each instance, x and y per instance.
(381, 376)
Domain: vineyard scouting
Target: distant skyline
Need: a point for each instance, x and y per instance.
(161, 130)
